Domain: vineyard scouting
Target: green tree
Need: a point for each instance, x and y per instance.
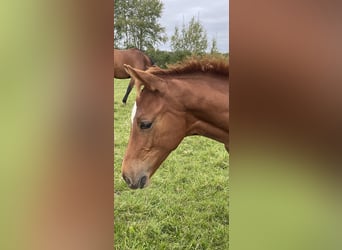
(192, 38)
(213, 49)
(136, 23)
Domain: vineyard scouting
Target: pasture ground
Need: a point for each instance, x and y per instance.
(186, 204)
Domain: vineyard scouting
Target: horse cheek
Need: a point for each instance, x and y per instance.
(174, 132)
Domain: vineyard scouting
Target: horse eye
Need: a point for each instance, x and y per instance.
(145, 125)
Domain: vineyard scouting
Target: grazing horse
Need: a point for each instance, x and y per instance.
(189, 98)
(134, 57)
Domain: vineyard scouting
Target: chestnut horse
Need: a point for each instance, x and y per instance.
(191, 98)
(134, 57)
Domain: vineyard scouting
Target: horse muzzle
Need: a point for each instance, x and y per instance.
(135, 184)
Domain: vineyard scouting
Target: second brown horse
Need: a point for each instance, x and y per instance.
(133, 57)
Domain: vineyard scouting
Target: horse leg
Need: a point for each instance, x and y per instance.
(129, 88)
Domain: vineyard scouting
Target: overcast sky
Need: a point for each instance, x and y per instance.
(213, 15)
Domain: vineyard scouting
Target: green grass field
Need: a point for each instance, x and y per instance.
(186, 204)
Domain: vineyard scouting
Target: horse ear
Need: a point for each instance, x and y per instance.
(146, 79)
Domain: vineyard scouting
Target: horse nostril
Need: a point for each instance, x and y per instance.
(127, 180)
(142, 181)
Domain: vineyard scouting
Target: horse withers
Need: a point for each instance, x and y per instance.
(134, 57)
(187, 99)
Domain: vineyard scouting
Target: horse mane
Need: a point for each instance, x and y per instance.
(206, 64)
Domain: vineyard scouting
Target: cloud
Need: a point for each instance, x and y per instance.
(213, 15)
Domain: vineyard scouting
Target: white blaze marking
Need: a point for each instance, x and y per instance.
(134, 110)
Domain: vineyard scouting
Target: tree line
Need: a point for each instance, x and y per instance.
(136, 25)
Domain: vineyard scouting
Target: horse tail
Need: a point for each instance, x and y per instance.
(151, 61)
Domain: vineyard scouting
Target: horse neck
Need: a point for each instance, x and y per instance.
(206, 106)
